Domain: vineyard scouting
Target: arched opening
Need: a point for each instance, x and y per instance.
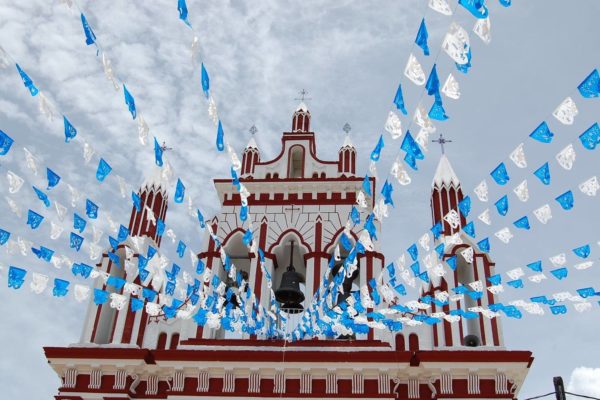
(290, 253)
(465, 275)
(413, 342)
(348, 281)
(174, 341)
(162, 341)
(240, 259)
(400, 345)
(108, 315)
(346, 167)
(296, 162)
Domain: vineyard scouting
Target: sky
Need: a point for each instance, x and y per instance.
(350, 57)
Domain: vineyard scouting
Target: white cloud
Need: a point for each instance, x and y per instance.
(585, 380)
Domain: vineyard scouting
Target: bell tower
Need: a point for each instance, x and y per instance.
(468, 283)
(347, 155)
(114, 322)
(251, 155)
(301, 120)
(153, 205)
(260, 319)
(297, 209)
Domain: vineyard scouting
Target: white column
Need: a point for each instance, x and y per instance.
(309, 281)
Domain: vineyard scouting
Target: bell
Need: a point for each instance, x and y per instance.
(289, 294)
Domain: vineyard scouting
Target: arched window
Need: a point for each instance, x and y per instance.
(162, 341)
(466, 275)
(174, 341)
(400, 345)
(296, 162)
(413, 342)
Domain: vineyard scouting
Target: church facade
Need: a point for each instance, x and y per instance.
(297, 208)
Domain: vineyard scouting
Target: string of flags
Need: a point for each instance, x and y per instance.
(92, 211)
(345, 317)
(103, 171)
(457, 45)
(566, 200)
(565, 158)
(411, 148)
(205, 83)
(35, 219)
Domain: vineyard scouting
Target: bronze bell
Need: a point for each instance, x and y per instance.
(289, 294)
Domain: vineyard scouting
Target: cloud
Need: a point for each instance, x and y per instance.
(585, 380)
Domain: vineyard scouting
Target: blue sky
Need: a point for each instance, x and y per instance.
(350, 57)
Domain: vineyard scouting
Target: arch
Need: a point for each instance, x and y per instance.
(162, 341)
(230, 235)
(107, 316)
(413, 342)
(346, 167)
(284, 234)
(400, 343)
(296, 155)
(174, 341)
(465, 274)
(268, 175)
(336, 237)
(350, 284)
(284, 256)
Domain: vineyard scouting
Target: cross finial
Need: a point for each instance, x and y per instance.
(253, 130)
(303, 94)
(165, 148)
(442, 140)
(347, 128)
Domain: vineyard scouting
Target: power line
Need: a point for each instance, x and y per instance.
(582, 395)
(572, 394)
(538, 397)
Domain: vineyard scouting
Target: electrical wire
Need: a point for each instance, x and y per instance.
(582, 395)
(572, 394)
(538, 397)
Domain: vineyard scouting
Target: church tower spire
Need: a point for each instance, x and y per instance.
(251, 155)
(301, 119)
(347, 154)
(446, 193)
(154, 202)
(473, 268)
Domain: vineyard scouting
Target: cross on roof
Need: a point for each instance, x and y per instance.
(442, 140)
(347, 128)
(303, 94)
(165, 148)
(253, 130)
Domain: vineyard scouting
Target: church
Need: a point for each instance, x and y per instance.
(298, 207)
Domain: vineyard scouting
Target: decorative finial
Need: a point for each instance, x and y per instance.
(347, 128)
(303, 94)
(253, 130)
(165, 148)
(442, 140)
